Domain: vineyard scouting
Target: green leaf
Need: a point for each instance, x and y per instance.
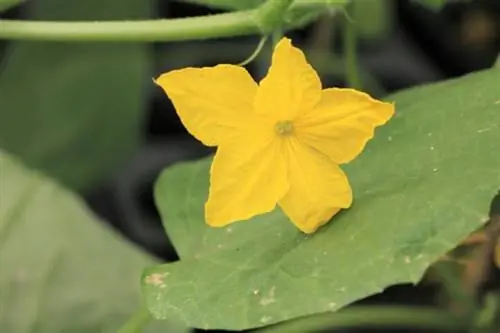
(6, 4)
(421, 186)
(74, 110)
(61, 270)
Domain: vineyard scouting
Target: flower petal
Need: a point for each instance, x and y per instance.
(318, 188)
(213, 103)
(290, 86)
(342, 123)
(248, 177)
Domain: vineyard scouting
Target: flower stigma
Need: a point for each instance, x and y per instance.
(284, 127)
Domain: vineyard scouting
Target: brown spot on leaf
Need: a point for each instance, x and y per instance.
(156, 279)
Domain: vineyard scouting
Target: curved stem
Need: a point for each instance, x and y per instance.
(255, 53)
(136, 323)
(373, 317)
(260, 20)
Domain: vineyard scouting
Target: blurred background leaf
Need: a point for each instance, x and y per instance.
(6, 4)
(373, 19)
(75, 110)
(61, 269)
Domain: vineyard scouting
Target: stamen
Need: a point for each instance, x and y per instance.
(284, 127)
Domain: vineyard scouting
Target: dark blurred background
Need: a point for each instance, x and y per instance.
(90, 116)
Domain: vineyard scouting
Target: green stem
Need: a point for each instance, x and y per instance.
(255, 53)
(350, 51)
(221, 25)
(271, 14)
(263, 19)
(330, 64)
(276, 36)
(373, 317)
(137, 322)
(297, 4)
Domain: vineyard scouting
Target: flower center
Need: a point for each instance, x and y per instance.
(284, 127)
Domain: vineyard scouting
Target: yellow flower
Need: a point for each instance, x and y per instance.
(279, 141)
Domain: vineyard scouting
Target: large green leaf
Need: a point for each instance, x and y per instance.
(61, 270)
(74, 110)
(422, 185)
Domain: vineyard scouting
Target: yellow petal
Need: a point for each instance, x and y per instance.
(342, 123)
(248, 177)
(290, 85)
(318, 188)
(213, 103)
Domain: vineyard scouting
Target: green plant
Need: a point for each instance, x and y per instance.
(422, 186)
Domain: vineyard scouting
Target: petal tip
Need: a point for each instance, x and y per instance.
(213, 222)
(283, 43)
(162, 80)
(310, 229)
(391, 109)
(214, 218)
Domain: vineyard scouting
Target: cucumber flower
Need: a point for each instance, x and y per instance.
(279, 142)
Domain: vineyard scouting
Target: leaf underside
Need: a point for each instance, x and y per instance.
(61, 269)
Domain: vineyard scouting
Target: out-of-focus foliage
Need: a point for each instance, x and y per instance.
(435, 4)
(488, 319)
(372, 19)
(74, 110)
(6, 4)
(61, 270)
